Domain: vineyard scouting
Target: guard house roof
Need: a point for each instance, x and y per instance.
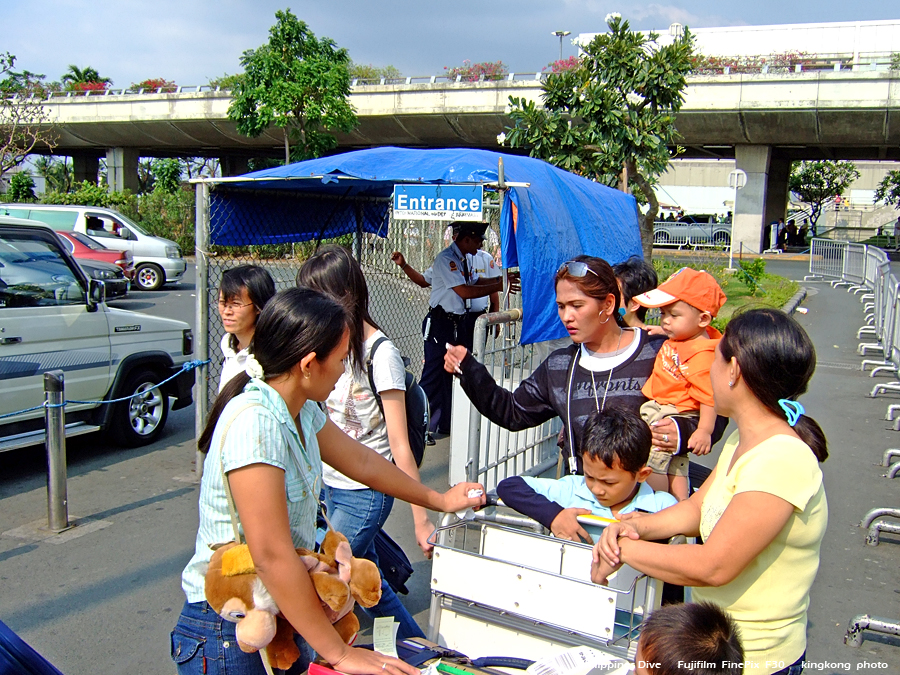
(548, 215)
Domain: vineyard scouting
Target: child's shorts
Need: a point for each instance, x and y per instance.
(665, 462)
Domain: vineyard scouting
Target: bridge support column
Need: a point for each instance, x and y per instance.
(750, 210)
(122, 169)
(85, 168)
(777, 190)
(232, 165)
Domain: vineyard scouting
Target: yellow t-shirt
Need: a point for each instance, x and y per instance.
(770, 597)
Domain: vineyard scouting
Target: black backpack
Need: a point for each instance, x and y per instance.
(417, 410)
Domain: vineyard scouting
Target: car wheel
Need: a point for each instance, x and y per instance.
(722, 238)
(661, 238)
(140, 420)
(149, 277)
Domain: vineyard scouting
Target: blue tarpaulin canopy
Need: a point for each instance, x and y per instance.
(558, 216)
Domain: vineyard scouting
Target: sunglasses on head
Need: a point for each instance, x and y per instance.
(576, 268)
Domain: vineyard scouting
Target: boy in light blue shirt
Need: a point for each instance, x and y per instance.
(615, 450)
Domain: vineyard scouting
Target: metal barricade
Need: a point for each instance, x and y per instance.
(854, 272)
(877, 323)
(826, 259)
(481, 450)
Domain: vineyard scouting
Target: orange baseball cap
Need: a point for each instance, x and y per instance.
(696, 288)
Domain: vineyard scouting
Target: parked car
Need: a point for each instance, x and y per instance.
(157, 261)
(83, 247)
(111, 275)
(692, 230)
(54, 316)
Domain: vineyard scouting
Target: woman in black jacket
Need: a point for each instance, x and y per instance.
(607, 364)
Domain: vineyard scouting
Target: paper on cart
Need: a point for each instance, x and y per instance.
(384, 635)
(580, 661)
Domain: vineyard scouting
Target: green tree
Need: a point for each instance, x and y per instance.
(889, 189)
(167, 174)
(612, 117)
(24, 121)
(21, 187)
(226, 81)
(56, 172)
(370, 73)
(296, 82)
(818, 182)
(75, 76)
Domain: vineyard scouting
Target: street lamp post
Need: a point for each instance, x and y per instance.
(561, 34)
(736, 180)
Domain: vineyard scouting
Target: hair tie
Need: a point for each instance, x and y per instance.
(793, 410)
(622, 311)
(252, 367)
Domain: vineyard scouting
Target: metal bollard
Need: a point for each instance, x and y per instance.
(55, 418)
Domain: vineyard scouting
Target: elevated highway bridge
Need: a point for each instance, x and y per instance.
(764, 121)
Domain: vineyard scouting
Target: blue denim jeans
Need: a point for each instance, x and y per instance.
(203, 643)
(358, 515)
(795, 668)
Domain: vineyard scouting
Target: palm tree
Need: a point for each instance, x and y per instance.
(76, 75)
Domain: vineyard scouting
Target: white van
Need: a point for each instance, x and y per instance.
(52, 316)
(157, 261)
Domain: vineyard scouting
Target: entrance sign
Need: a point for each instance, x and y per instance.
(438, 202)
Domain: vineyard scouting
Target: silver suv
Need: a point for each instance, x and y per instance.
(53, 317)
(699, 230)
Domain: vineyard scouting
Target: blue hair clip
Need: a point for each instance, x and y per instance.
(793, 410)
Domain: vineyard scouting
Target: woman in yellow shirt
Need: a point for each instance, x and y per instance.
(762, 513)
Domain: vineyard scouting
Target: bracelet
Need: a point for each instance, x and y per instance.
(404, 266)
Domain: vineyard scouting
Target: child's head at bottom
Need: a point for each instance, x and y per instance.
(689, 639)
(615, 448)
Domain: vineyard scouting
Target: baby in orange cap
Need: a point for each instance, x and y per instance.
(679, 384)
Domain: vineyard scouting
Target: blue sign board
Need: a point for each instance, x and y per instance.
(438, 202)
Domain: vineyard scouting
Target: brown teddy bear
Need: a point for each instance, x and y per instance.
(236, 593)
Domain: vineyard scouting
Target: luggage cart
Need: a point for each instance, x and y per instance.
(497, 589)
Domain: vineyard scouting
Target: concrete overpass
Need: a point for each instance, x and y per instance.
(763, 120)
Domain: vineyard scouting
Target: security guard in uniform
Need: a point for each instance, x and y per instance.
(454, 285)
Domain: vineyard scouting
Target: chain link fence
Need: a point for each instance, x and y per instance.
(395, 303)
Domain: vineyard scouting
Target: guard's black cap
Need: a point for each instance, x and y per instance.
(463, 228)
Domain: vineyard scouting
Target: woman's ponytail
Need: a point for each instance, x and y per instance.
(811, 433)
(777, 360)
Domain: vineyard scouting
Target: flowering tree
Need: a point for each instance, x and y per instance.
(562, 65)
(474, 72)
(615, 109)
(24, 121)
(156, 84)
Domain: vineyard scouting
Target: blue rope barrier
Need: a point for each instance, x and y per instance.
(190, 365)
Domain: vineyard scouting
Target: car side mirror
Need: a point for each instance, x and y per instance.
(96, 294)
(125, 233)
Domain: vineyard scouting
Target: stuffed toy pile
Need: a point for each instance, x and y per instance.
(236, 593)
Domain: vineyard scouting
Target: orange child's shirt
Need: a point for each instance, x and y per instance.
(681, 373)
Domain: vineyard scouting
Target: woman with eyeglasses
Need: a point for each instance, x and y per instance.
(244, 292)
(607, 364)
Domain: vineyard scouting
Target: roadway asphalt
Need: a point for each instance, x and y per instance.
(104, 597)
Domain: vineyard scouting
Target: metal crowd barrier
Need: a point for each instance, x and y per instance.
(481, 450)
(826, 259)
(865, 270)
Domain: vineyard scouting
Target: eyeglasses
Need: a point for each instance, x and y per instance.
(233, 306)
(576, 269)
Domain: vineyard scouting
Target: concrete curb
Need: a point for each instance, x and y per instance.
(791, 305)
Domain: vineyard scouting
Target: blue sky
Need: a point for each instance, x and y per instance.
(191, 41)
